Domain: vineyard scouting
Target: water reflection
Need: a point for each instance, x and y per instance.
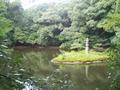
(88, 77)
(31, 69)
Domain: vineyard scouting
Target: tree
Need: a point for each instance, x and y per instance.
(65, 25)
(5, 24)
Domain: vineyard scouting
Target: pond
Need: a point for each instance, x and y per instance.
(31, 69)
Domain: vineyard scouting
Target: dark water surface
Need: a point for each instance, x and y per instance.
(31, 69)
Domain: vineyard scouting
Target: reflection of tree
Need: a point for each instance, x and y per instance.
(32, 69)
(87, 77)
(25, 70)
(38, 63)
(59, 81)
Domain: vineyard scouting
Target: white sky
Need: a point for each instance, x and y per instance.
(28, 3)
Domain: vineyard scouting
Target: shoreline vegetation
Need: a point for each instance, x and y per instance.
(81, 57)
(38, 47)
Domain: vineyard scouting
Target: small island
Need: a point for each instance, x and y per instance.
(86, 56)
(81, 57)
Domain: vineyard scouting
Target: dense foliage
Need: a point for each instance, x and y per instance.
(63, 24)
(5, 26)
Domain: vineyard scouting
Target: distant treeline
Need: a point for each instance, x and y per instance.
(62, 24)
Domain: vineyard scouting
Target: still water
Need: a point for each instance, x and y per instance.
(31, 69)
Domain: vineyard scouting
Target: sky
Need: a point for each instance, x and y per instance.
(29, 3)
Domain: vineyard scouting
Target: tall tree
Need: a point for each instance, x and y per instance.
(5, 23)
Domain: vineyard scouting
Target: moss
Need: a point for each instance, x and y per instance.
(81, 56)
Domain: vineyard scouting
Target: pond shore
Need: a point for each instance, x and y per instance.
(37, 47)
(80, 63)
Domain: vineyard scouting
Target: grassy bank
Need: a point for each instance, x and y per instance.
(80, 56)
